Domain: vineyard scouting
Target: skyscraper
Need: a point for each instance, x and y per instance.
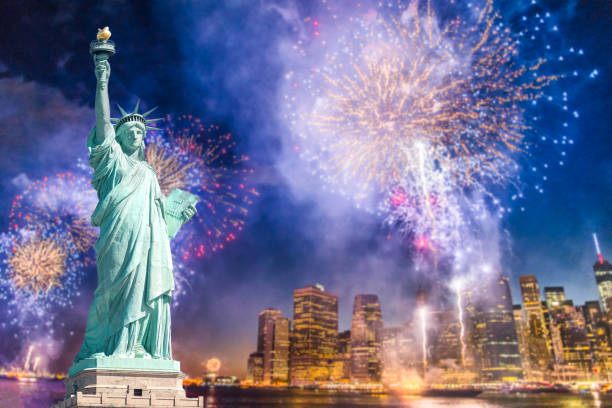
(315, 332)
(342, 361)
(273, 346)
(603, 277)
(577, 352)
(532, 303)
(366, 340)
(517, 312)
(501, 359)
(492, 338)
(279, 369)
(446, 339)
(265, 339)
(555, 296)
(255, 368)
(536, 331)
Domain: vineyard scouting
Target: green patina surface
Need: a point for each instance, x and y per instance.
(110, 363)
(128, 325)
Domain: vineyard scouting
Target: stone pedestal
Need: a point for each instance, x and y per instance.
(109, 382)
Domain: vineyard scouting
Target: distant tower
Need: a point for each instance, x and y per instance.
(519, 324)
(555, 296)
(532, 303)
(536, 330)
(603, 277)
(366, 340)
(255, 368)
(500, 349)
(315, 334)
(269, 338)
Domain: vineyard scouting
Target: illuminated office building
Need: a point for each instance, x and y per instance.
(493, 349)
(603, 277)
(576, 348)
(255, 368)
(592, 311)
(341, 371)
(501, 359)
(273, 345)
(536, 329)
(315, 333)
(532, 303)
(265, 339)
(555, 296)
(366, 340)
(446, 339)
(519, 324)
(279, 367)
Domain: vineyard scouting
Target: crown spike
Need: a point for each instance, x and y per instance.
(137, 105)
(152, 120)
(114, 119)
(123, 112)
(152, 128)
(148, 112)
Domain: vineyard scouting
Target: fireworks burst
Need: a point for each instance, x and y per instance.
(402, 81)
(213, 365)
(202, 160)
(418, 115)
(40, 270)
(423, 316)
(457, 287)
(65, 201)
(37, 266)
(171, 172)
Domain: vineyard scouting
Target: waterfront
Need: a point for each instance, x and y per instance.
(40, 394)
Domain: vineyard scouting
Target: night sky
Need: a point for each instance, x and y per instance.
(224, 62)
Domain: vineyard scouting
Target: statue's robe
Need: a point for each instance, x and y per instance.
(131, 307)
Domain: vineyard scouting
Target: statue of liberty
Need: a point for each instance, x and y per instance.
(130, 314)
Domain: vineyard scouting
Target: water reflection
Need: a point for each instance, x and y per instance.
(41, 394)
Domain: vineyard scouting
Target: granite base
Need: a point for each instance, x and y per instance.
(138, 383)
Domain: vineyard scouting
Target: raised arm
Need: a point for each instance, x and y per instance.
(104, 128)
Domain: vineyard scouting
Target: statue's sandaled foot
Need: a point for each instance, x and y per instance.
(140, 352)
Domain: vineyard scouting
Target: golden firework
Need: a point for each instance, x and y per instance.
(456, 90)
(171, 172)
(213, 365)
(37, 265)
(82, 233)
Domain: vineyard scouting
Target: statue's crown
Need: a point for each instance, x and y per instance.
(134, 117)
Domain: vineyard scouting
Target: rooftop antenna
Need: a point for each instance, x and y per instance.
(597, 248)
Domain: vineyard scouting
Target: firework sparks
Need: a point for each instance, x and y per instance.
(417, 115)
(171, 172)
(26, 365)
(422, 313)
(38, 265)
(213, 365)
(457, 287)
(65, 201)
(405, 82)
(202, 160)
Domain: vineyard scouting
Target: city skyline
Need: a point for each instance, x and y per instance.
(484, 336)
(585, 295)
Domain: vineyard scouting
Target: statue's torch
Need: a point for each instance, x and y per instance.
(102, 46)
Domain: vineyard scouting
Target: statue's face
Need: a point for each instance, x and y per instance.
(131, 136)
